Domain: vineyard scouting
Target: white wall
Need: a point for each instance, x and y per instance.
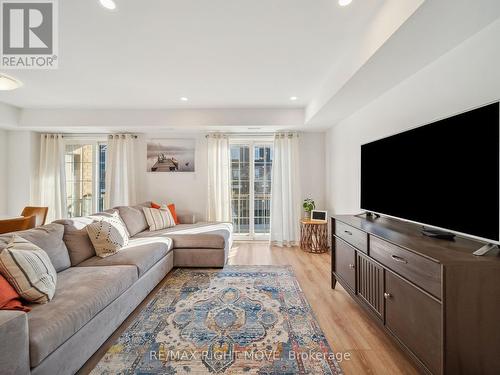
(312, 167)
(3, 172)
(9, 116)
(465, 77)
(19, 151)
(157, 120)
(189, 190)
(22, 149)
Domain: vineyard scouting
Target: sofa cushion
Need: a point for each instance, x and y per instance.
(76, 238)
(9, 298)
(29, 270)
(108, 235)
(82, 292)
(143, 253)
(202, 240)
(200, 235)
(158, 218)
(134, 218)
(48, 238)
(171, 208)
(199, 257)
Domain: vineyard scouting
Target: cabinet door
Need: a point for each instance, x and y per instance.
(371, 284)
(345, 263)
(415, 318)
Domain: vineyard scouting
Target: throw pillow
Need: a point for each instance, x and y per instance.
(158, 218)
(171, 207)
(108, 235)
(9, 298)
(29, 270)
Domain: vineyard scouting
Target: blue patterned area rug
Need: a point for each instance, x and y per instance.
(238, 320)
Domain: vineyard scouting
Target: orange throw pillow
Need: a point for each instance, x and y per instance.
(9, 299)
(171, 208)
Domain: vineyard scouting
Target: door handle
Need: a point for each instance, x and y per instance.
(348, 232)
(387, 295)
(399, 259)
(351, 266)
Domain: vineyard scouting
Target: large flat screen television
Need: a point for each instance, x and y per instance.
(443, 175)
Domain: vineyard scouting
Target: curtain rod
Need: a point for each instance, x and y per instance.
(87, 135)
(235, 135)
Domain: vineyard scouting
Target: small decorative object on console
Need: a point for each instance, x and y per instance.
(308, 206)
(317, 215)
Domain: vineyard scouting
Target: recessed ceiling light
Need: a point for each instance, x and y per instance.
(344, 3)
(184, 99)
(9, 83)
(293, 98)
(108, 4)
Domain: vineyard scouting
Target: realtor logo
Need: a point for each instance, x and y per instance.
(29, 34)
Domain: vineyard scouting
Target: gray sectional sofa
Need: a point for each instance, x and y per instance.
(95, 295)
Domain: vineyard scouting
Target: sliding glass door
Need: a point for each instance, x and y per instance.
(85, 163)
(251, 167)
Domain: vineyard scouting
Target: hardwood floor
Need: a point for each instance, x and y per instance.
(346, 325)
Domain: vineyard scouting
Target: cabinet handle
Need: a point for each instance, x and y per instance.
(351, 266)
(399, 259)
(387, 295)
(348, 232)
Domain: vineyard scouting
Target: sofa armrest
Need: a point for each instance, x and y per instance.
(14, 343)
(186, 218)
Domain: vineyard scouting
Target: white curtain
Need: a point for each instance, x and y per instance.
(52, 177)
(285, 198)
(219, 199)
(121, 188)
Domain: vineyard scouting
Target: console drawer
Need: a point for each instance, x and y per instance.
(415, 319)
(345, 263)
(421, 271)
(354, 236)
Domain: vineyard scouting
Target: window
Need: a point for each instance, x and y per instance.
(263, 163)
(240, 188)
(85, 163)
(251, 167)
(102, 175)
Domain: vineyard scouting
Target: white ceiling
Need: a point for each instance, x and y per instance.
(238, 62)
(218, 53)
(434, 29)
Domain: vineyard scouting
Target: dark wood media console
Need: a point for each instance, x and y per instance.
(440, 303)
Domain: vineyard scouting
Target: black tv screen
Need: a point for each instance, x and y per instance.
(443, 175)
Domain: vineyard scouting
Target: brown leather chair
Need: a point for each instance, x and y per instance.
(39, 212)
(17, 224)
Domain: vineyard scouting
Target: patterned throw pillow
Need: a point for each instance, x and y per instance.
(171, 207)
(108, 235)
(158, 218)
(29, 270)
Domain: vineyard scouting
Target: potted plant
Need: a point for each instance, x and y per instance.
(308, 205)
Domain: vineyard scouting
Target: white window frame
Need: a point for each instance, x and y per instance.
(95, 142)
(251, 142)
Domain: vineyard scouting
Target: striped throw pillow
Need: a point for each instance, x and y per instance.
(29, 270)
(108, 235)
(158, 218)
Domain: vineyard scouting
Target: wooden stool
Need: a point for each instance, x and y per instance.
(314, 236)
